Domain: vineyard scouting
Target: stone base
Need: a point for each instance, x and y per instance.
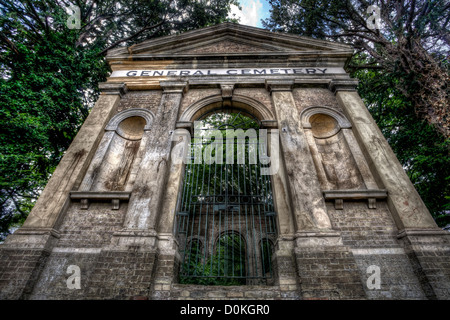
(429, 254)
(122, 275)
(197, 292)
(328, 273)
(19, 271)
(326, 268)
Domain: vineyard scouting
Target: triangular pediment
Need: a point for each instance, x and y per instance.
(227, 44)
(230, 38)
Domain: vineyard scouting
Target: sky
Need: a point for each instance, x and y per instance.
(252, 12)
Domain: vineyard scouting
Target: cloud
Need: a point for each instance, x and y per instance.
(250, 14)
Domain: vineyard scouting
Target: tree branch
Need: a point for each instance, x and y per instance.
(131, 37)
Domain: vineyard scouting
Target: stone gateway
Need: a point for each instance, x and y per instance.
(123, 218)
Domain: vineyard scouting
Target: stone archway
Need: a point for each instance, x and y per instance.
(223, 196)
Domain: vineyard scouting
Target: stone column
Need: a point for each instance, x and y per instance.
(166, 271)
(308, 203)
(427, 246)
(149, 188)
(316, 251)
(406, 206)
(286, 221)
(28, 248)
(283, 261)
(181, 140)
(296, 188)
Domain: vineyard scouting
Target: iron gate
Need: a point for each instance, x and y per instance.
(226, 224)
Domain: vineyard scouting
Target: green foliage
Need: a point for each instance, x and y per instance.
(226, 267)
(214, 177)
(42, 106)
(301, 17)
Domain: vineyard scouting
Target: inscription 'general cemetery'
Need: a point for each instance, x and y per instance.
(231, 72)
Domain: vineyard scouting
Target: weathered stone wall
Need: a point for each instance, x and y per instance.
(328, 272)
(196, 292)
(52, 283)
(91, 228)
(259, 94)
(122, 275)
(429, 256)
(104, 275)
(20, 269)
(361, 227)
(307, 97)
(83, 233)
(323, 249)
(371, 236)
(147, 99)
(195, 95)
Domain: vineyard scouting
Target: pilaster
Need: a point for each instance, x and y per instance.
(406, 206)
(149, 187)
(308, 204)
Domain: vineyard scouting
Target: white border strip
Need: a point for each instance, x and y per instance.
(377, 251)
(77, 250)
(225, 72)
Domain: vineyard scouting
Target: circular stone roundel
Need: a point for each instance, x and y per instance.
(132, 128)
(323, 126)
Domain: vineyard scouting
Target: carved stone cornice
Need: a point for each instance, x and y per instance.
(174, 86)
(113, 88)
(422, 232)
(340, 195)
(269, 124)
(87, 196)
(186, 125)
(279, 85)
(343, 85)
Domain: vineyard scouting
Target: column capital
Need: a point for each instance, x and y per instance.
(113, 88)
(269, 124)
(187, 125)
(279, 85)
(174, 86)
(343, 85)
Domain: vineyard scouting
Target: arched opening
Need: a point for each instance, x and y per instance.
(113, 167)
(332, 155)
(226, 200)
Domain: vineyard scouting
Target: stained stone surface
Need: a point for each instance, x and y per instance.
(123, 235)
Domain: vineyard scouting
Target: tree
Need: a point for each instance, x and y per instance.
(50, 74)
(411, 44)
(403, 73)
